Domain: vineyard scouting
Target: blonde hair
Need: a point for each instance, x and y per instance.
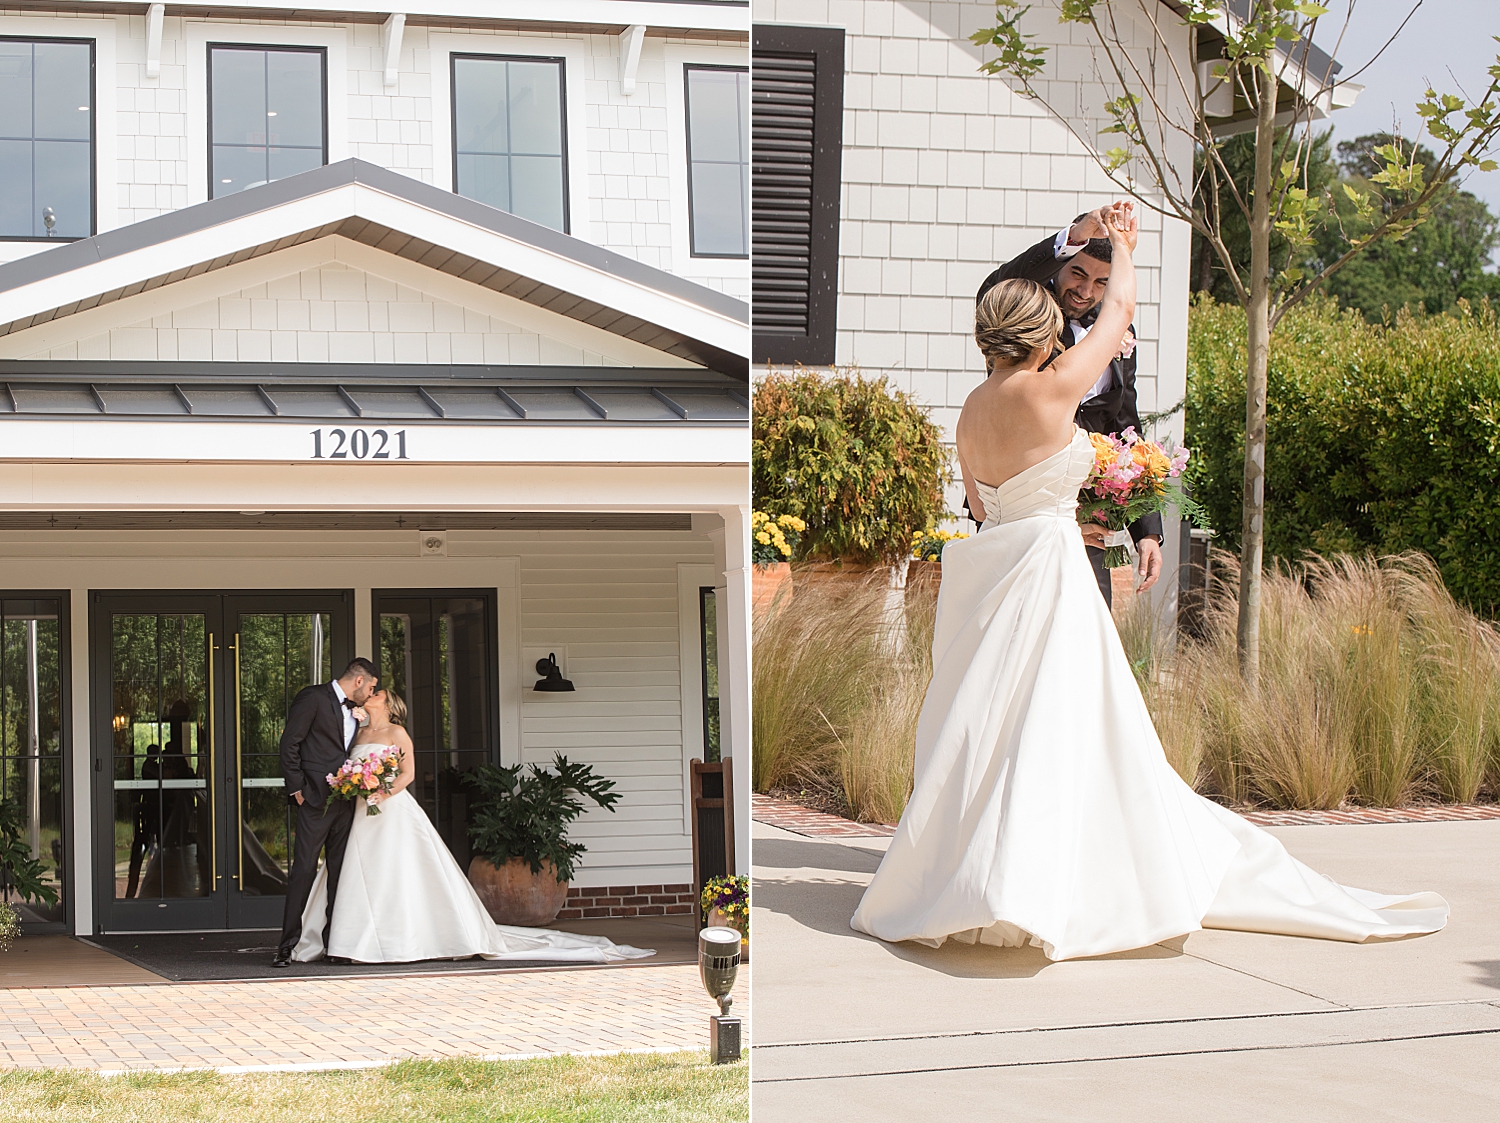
(394, 706)
(1014, 319)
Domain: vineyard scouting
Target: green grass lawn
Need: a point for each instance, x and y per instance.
(661, 1087)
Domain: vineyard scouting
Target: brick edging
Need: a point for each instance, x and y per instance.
(588, 901)
(819, 824)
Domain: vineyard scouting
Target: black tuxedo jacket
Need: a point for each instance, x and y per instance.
(1113, 411)
(312, 744)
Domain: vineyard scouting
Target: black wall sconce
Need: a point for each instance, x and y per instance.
(551, 681)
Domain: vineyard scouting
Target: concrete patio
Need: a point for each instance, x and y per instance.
(1222, 1025)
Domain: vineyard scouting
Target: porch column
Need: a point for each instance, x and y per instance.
(734, 671)
(80, 801)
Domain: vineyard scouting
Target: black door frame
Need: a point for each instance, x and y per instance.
(224, 907)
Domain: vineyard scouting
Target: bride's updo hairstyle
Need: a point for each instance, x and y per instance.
(1015, 319)
(395, 706)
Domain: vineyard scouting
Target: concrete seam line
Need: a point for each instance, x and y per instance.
(956, 1034)
(1128, 1057)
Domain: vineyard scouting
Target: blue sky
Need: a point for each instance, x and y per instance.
(1448, 44)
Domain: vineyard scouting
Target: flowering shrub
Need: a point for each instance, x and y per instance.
(731, 896)
(927, 545)
(1128, 482)
(10, 925)
(775, 537)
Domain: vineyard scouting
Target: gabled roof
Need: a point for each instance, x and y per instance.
(399, 215)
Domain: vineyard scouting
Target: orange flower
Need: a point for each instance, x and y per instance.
(1150, 457)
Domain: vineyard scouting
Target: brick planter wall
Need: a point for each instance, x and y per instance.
(627, 900)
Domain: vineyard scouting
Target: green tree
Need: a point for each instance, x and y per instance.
(1162, 97)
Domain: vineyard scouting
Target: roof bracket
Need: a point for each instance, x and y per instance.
(390, 43)
(270, 404)
(98, 398)
(15, 406)
(738, 398)
(187, 403)
(154, 15)
(432, 403)
(350, 402)
(593, 405)
(680, 411)
(630, 56)
(515, 405)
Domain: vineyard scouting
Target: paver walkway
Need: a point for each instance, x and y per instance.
(819, 824)
(352, 1022)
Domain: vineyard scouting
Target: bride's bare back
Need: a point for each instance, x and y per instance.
(1021, 414)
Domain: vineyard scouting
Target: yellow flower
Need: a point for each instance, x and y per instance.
(763, 538)
(1151, 457)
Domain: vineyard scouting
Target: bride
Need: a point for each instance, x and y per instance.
(1042, 813)
(401, 896)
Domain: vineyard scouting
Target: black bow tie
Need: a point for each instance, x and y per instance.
(350, 703)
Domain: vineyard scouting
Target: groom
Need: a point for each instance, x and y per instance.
(319, 728)
(1074, 265)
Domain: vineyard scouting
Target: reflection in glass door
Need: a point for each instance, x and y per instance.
(191, 695)
(276, 654)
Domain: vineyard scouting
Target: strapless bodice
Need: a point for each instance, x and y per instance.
(359, 752)
(1048, 487)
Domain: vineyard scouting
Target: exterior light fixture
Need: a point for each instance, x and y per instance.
(718, 964)
(551, 681)
(49, 219)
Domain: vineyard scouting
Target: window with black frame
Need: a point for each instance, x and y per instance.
(509, 136)
(46, 138)
(708, 623)
(437, 652)
(267, 115)
(717, 102)
(31, 772)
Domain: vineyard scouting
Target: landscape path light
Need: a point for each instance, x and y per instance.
(718, 964)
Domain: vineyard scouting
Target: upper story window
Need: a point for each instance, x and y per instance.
(509, 136)
(46, 138)
(718, 138)
(267, 115)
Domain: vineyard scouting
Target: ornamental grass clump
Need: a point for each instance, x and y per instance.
(1376, 687)
(835, 705)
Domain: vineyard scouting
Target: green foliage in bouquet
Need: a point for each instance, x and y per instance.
(731, 896)
(861, 464)
(523, 811)
(18, 869)
(1381, 437)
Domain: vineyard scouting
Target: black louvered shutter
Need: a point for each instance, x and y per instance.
(796, 139)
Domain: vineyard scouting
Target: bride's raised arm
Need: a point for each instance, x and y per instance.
(1077, 368)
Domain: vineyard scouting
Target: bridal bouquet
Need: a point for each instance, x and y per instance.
(362, 779)
(1129, 480)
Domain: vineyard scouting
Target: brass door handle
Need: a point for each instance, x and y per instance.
(213, 821)
(239, 777)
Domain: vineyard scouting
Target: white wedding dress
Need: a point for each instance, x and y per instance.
(402, 898)
(1044, 810)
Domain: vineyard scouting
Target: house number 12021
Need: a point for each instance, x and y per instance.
(359, 444)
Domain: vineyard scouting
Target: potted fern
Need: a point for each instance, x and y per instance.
(518, 826)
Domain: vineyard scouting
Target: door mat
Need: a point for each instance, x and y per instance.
(201, 957)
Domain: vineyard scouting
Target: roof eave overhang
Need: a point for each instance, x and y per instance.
(399, 215)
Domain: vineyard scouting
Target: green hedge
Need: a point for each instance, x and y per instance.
(861, 464)
(1382, 437)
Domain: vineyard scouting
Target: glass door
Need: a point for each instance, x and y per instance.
(194, 826)
(278, 646)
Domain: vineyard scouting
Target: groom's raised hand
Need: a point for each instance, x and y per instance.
(1088, 226)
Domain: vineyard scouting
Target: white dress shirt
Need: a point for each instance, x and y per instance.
(350, 725)
(1062, 251)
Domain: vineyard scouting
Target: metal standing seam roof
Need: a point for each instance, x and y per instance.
(78, 255)
(352, 392)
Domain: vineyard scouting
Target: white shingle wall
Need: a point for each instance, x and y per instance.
(947, 173)
(332, 313)
(630, 191)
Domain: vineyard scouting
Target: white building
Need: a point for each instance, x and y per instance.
(923, 175)
(329, 331)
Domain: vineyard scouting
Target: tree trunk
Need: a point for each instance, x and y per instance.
(1258, 342)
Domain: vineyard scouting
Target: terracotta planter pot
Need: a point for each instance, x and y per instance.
(920, 571)
(514, 895)
(767, 582)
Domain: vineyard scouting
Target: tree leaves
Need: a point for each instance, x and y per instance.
(523, 811)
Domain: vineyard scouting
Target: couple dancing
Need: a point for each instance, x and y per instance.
(388, 890)
(1035, 819)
